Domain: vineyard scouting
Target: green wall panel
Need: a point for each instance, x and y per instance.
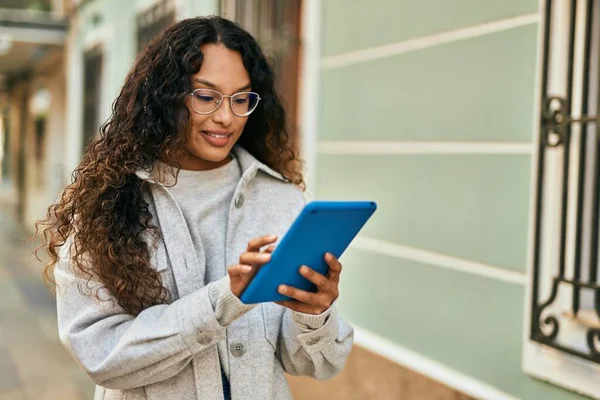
(474, 207)
(479, 89)
(360, 24)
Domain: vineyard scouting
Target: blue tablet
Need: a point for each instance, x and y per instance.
(321, 227)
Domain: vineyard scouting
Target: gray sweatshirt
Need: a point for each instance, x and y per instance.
(171, 351)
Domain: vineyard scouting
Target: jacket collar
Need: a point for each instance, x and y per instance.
(248, 163)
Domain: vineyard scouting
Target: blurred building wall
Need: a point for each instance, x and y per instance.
(428, 108)
(32, 99)
(44, 143)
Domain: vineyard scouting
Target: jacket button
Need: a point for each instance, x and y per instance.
(239, 200)
(313, 340)
(237, 349)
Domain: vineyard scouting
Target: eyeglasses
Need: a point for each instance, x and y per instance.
(207, 101)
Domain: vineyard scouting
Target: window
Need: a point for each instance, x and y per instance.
(92, 73)
(276, 26)
(153, 21)
(564, 327)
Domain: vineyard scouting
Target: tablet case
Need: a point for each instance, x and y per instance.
(322, 226)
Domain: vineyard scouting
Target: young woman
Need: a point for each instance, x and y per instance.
(169, 215)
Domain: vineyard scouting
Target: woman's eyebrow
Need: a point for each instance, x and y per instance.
(207, 83)
(248, 86)
(214, 86)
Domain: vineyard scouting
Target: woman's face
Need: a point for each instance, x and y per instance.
(212, 136)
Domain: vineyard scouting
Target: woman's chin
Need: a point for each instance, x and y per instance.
(205, 158)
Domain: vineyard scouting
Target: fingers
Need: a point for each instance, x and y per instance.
(238, 271)
(253, 258)
(335, 267)
(320, 280)
(239, 276)
(313, 300)
(249, 263)
(255, 244)
(309, 302)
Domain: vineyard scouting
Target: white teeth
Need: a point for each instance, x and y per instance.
(217, 136)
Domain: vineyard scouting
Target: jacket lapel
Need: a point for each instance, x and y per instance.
(250, 165)
(187, 265)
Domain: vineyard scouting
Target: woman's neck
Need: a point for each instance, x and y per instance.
(192, 163)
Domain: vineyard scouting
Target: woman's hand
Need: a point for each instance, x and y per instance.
(250, 261)
(327, 293)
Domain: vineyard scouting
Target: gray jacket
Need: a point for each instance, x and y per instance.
(170, 351)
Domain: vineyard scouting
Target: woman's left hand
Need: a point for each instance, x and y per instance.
(327, 289)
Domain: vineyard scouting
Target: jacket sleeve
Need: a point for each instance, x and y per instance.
(122, 351)
(314, 345)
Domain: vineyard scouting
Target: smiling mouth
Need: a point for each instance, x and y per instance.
(217, 139)
(217, 135)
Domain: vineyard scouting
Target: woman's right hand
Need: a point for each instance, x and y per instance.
(250, 261)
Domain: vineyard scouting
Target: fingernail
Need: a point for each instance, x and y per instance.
(282, 289)
(265, 257)
(246, 268)
(328, 256)
(304, 269)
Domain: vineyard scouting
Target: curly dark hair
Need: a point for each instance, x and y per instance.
(103, 210)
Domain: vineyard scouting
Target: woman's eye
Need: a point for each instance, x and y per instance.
(241, 101)
(207, 99)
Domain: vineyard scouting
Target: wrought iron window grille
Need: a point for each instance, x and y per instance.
(570, 127)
